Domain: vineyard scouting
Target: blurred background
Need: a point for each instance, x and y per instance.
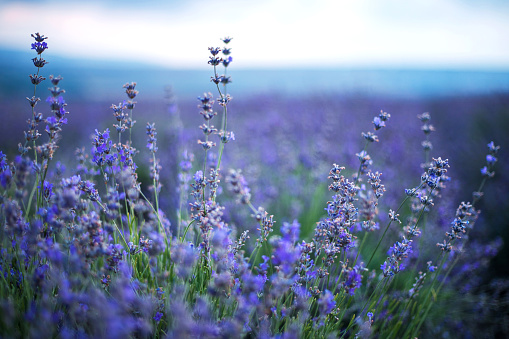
(308, 77)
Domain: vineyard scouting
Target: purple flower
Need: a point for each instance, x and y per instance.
(158, 317)
(225, 79)
(486, 173)
(88, 188)
(490, 159)
(198, 176)
(38, 37)
(371, 137)
(3, 162)
(397, 252)
(374, 180)
(226, 40)
(427, 128)
(131, 93)
(237, 184)
(157, 243)
(214, 50)
(227, 61)
(152, 139)
(431, 268)
(47, 190)
(40, 274)
(424, 117)
(286, 255)
(384, 116)
(493, 149)
(39, 47)
(184, 256)
(57, 105)
(214, 61)
(291, 231)
(55, 80)
(379, 123)
(252, 283)
(187, 163)
(227, 137)
(36, 79)
(353, 278)
(326, 303)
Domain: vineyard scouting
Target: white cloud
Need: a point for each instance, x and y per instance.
(282, 33)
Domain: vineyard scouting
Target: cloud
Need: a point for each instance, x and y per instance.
(281, 33)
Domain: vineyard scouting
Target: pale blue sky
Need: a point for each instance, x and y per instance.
(269, 33)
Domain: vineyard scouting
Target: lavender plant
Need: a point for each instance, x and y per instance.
(89, 252)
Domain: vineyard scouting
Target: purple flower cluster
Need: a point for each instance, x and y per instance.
(33, 134)
(286, 254)
(39, 45)
(88, 254)
(353, 278)
(490, 160)
(57, 105)
(332, 234)
(394, 263)
(237, 184)
(466, 214)
(102, 149)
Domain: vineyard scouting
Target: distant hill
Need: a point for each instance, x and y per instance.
(102, 80)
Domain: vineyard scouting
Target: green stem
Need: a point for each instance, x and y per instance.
(160, 225)
(155, 183)
(114, 223)
(223, 124)
(360, 247)
(187, 229)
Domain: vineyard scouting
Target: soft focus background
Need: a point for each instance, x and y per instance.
(308, 76)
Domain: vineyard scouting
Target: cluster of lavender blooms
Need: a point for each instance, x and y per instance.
(88, 252)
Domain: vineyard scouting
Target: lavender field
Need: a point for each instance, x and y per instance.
(240, 211)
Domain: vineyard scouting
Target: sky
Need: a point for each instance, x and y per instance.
(437, 34)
